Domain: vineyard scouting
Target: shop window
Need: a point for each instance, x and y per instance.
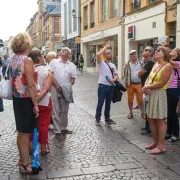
(85, 17)
(115, 8)
(152, 1)
(136, 4)
(105, 9)
(92, 15)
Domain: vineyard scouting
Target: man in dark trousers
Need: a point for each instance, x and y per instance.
(143, 74)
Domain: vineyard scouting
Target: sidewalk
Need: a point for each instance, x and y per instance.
(109, 153)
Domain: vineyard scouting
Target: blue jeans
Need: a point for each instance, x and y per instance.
(105, 93)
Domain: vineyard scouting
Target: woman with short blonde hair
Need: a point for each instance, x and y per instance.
(25, 97)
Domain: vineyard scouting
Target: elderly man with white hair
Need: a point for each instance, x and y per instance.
(50, 56)
(64, 73)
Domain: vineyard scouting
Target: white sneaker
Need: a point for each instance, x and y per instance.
(51, 127)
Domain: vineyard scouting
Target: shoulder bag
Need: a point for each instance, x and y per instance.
(6, 86)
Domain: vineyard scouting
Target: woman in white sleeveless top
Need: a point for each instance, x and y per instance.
(44, 98)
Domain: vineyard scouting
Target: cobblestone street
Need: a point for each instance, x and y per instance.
(92, 152)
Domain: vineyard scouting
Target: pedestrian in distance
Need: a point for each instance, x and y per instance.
(5, 63)
(105, 87)
(155, 87)
(44, 99)
(81, 63)
(25, 97)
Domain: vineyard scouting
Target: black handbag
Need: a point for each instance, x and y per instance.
(117, 95)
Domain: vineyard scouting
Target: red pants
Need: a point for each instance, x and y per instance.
(44, 120)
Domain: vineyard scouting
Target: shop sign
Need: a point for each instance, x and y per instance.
(131, 32)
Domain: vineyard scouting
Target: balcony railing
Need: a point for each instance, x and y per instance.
(136, 5)
(85, 27)
(152, 1)
(92, 24)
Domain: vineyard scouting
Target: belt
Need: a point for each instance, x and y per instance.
(135, 83)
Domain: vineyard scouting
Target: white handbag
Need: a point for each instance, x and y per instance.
(6, 91)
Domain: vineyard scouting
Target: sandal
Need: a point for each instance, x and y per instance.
(23, 169)
(157, 151)
(150, 146)
(143, 115)
(173, 139)
(43, 153)
(130, 116)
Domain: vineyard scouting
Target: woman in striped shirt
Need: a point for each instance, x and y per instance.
(173, 93)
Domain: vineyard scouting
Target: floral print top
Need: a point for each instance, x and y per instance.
(19, 82)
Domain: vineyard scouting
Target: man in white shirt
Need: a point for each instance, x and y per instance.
(63, 72)
(105, 88)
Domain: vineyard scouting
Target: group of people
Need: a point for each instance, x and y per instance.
(155, 81)
(42, 91)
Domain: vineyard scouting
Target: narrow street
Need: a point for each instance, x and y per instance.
(92, 152)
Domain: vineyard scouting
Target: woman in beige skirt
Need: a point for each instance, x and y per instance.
(155, 87)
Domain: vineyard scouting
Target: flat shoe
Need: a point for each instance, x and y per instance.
(173, 139)
(130, 116)
(157, 151)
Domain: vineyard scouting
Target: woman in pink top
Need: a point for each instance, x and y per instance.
(173, 93)
(25, 97)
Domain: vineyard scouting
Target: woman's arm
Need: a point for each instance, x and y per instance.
(47, 85)
(174, 64)
(166, 73)
(29, 73)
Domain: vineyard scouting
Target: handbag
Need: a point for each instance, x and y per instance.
(6, 87)
(146, 96)
(117, 94)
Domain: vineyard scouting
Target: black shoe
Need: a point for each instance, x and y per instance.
(167, 136)
(145, 132)
(58, 136)
(109, 121)
(143, 129)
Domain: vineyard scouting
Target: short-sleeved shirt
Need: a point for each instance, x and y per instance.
(135, 67)
(174, 77)
(104, 71)
(63, 71)
(147, 66)
(5, 62)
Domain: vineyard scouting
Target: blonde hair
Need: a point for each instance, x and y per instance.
(21, 42)
(50, 54)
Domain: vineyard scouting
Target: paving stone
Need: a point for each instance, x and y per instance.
(167, 160)
(64, 173)
(125, 166)
(131, 148)
(175, 168)
(101, 169)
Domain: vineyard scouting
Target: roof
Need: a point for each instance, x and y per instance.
(56, 10)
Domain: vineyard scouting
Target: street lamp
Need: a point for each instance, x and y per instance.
(74, 14)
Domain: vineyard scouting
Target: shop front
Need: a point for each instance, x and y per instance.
(144, 28)
(93, 43)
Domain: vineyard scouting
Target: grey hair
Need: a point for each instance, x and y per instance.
(150, 48)
(66, 49)
(51, 53)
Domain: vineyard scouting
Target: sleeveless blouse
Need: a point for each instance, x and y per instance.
(19, 81)
(158, 78)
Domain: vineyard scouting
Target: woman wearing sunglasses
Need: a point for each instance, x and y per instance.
(173, 93)
(155, 86)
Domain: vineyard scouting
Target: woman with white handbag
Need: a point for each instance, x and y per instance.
(25, 103)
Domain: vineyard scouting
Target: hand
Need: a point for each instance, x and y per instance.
(36, 111)
(58, 88)
(108, 44)
(111, 81)
(139, 73)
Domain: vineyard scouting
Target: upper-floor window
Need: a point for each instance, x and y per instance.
(65, 20)
(92, 14)
(136, 4)
(115, 7)
(85, 17)
(105, 9)
(75, 19)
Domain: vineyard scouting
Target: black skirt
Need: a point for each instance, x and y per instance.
(24, 116)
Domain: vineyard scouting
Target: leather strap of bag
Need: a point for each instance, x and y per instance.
(157, 72)
(110, 69)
